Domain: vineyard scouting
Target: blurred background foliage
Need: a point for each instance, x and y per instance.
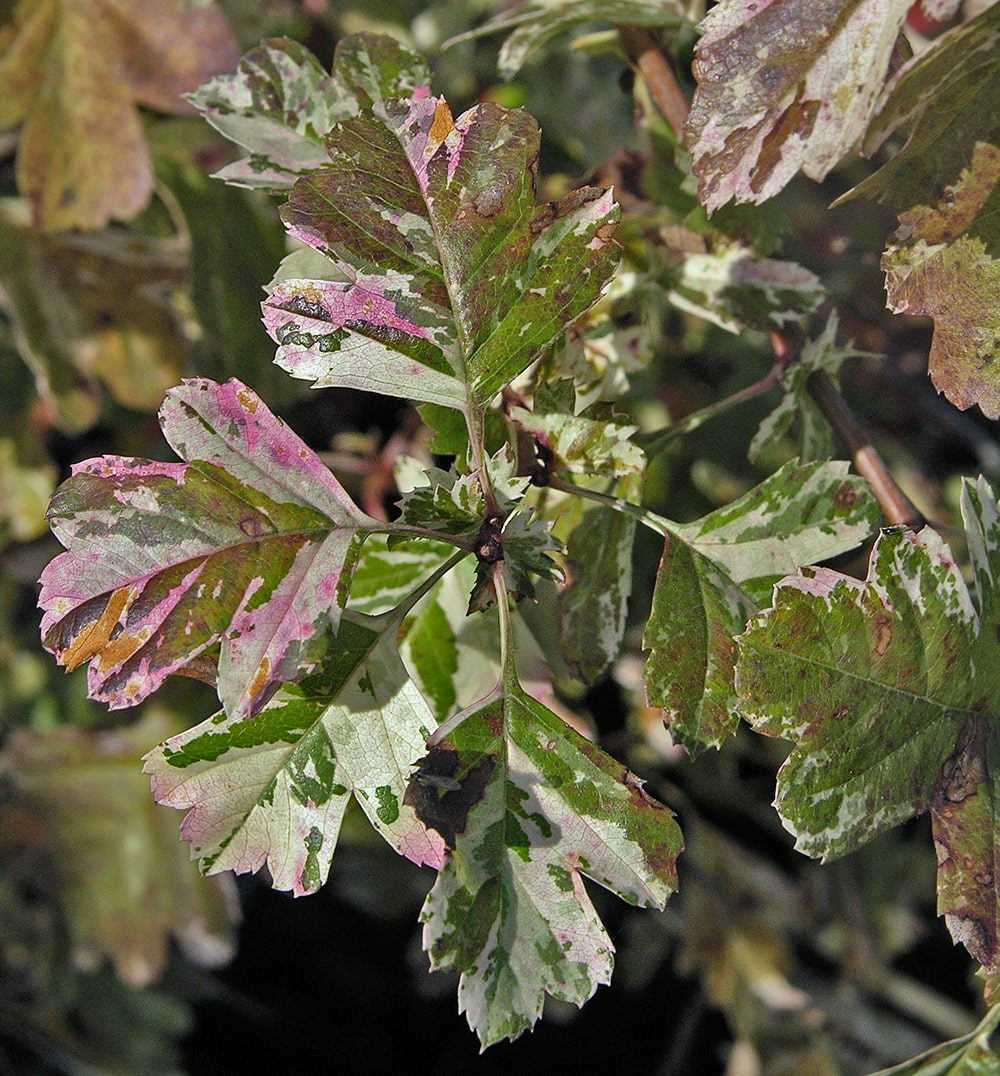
(115, 956)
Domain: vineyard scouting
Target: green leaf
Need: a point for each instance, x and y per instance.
(782, 87)
(280, 103)
(969, 1055)
(735, 288)
(944, 184)
(536, 24)
(123, 881)
(803, 513)
(527, 807)
(274, 789)
(456, 280)
(872, 680)
(583, 445)
(697, 611)
(814, 436)
(593, 607)
(229, 566)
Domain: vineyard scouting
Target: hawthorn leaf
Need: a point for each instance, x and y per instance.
(803, 513)
(232, 564)
(815, 440)
(714, 573)
(534, 25)
(280, 103)
(527, 807)
(784, 86)
(73, 74)
(125, 891)
(383, 577)
(942, 261)
(456, 280)
(735, 288)
(697, 612)
(872, 680)
(274, 788)
(583, 445)
(593, 607)
(968, 1055)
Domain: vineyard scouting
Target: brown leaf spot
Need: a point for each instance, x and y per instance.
(965, 771)
(974, 935)
(489, 201)
(844, 497)
(442, 124)
(260, 679)
(883, 633)
(96, 636)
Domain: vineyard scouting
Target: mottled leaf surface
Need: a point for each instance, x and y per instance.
(969, 1055)
(943, 260)
(528, 808)
(716, 571)
(456, 280)
(232, 563)
(280, 103)
(697, 611)
(273, 789)
(122, 880)
(72, 74)
(534, 25)
(873, 681)
(736, 288)
(784, 86)
(593, 608)
(803, 513)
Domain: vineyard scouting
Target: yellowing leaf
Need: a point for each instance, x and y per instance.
(73, 74)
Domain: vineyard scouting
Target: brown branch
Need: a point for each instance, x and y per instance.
(646, 56)
(896, 506)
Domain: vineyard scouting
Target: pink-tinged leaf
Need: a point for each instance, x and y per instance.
(784, 86)
(942, 260)
(232, 564)
(528, 808)
(273, 789)
(456, 280)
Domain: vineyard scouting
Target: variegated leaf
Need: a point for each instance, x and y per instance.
(232, 564)
(784, 86)
(273, 789)
(873, 682)
(456, 281)
(280, 103)
(528, 808)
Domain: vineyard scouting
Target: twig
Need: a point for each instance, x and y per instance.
(897, 508)
(646, 55)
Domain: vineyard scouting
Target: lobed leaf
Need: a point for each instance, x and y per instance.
(280, 103)
(527, 807)
(943, 183)
(872, 681)
(273, 790)
(803, 513)
(456, 281)
(696, 613)
(783, 86)
(231, 564)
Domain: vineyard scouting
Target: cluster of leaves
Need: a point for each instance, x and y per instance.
(382, 662)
